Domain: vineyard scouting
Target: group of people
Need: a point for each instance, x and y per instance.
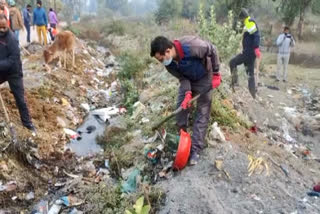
(192, 60)
(195, 63)
(38, 18)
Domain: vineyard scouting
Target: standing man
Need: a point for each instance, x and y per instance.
(16, 19)
(40, 20)
(11, 70)
(250, 43)
(27, 20)
(284, 42)
(195, 63)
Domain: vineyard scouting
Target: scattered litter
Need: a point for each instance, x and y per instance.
(313, 194)
(285, 130)
(10, 186)
(106, 113)
(75, 211)
(316, 188)
(289, 91)
(216, 133)
(130, 185)
(165, 170)
(106, 164)
(138, 109)
(61, 122)
(30, 196)
(65, 102)
(281, 166)
(14, 198)
(56, 207)
(218, 164)
(85, 106)
(153, 155)
(71, 133)
(273, 87)
(70, 201)
(41, 207)
(145, 120)
(254, 129)
(258, 165)
(270, 96)
(255, 197)
(172, 141)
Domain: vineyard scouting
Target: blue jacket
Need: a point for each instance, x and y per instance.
(26, 17)
(198, 59)
(40, 17)
(251, 38)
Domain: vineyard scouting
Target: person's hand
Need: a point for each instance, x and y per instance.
(185, 103)
(257, 53)
(216, 80)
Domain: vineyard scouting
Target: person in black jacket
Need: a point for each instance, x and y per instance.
(251, 51)
(11, 70)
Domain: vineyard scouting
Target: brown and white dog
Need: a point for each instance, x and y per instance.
(64, 42)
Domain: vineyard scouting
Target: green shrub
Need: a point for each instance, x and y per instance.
(115, 27)
(223, 36)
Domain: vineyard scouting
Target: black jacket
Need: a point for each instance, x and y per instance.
(10, 61)
(251, 41)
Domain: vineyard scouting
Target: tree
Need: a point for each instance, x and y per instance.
(293, 8)
(168, 9)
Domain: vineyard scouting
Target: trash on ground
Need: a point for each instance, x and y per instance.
(218, 164)
(216, 133)
(10, 186)
(138, 109)
(70, 201)
(254, 129)
(55, 208)
(30, 196)
(72, 134)
(130, 185)
(41, 207)
(85, 106)
(257, 165)
(313, 194)
(105, 113)
(75, 211)
(273, 87)
(316, 188)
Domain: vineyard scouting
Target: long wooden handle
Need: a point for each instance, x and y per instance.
(5, 110)
(178, 110)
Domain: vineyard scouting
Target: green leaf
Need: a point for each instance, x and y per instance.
(146, 209)
(139, 204)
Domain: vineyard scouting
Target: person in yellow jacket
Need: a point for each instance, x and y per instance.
(16, 19)
(251, 51)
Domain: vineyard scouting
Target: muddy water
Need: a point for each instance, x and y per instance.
(87, 144)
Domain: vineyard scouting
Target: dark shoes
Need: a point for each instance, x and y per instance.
(31, 127)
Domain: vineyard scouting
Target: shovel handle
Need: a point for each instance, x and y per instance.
(4, 109)
(177, 111)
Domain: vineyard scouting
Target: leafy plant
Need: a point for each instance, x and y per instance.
(223, 36)
(139, 208)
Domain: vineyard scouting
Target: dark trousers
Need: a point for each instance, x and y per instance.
(17, 89)
(28, 32)
(200, 124)
(248, 61)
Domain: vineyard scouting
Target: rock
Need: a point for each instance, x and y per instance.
(85, 106)
(61, 122)
(216, 133)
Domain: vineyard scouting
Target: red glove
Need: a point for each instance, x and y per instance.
(216, 80)
(185, 103)
(257, 52)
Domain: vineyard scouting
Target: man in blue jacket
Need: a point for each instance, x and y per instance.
(195, 63)
(251, 51)
(41, 21)
(27, 20)
(11, 70)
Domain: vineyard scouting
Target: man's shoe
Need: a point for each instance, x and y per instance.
(31, 128)
(194, 159)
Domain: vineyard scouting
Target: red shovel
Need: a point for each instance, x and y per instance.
(183, 152)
